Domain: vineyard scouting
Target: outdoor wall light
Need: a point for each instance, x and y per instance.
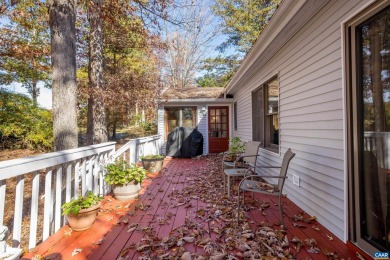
(203, 110)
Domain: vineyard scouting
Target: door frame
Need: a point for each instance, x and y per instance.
(228, 107)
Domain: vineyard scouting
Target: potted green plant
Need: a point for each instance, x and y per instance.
(236, 148)
(125, 179)
(82, 211)
(152, 163)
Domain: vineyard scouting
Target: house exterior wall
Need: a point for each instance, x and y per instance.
(160, 128)
(202, 121)
(311, 105)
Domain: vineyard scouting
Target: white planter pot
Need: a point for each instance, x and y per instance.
(127, 191)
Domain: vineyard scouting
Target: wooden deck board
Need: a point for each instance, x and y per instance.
(167, 215)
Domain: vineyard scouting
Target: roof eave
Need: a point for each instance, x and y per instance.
(195, 100)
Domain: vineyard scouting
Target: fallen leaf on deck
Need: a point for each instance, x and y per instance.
(310, 242)
(314, 250)
(98, 242)
(316, 228)
(68, 233)
(76, 251)
(186, 256)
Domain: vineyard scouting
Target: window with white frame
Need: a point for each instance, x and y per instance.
(265, 114)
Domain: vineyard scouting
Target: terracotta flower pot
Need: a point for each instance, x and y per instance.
(127, 191)
(84, 219)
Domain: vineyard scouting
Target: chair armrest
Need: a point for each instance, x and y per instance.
(227, 153)
(243, 156)
(263, 176)
(265, 166)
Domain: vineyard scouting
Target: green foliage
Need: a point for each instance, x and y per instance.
(236, 145)
(219, 70)
(25, 46)
(120, 173)
(244, 20)
(152, 156)
(74, 206)
(208, 80)
(22, 124)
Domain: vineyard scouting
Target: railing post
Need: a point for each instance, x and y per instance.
(133, 151)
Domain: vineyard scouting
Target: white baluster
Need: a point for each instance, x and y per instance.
(96, 171)
(19, 196)
(34, 210)
(48, 211)
(83, 177)
(2, 200)
(90, 173)
(68, 195)
(57, 212)
(76, 179)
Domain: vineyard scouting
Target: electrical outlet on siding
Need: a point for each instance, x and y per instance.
(295, 180)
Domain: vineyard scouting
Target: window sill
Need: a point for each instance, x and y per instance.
(271, 150)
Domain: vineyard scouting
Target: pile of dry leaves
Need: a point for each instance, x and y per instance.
(210, 226)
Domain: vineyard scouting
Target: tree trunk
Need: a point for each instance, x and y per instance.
(96, 118)
(114, 123)
(63, 52)
(34, 92)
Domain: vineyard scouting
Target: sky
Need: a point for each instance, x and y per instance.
(44, 98)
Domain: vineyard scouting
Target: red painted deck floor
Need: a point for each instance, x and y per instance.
(184, 213)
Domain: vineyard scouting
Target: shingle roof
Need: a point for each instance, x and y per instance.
(192, 93)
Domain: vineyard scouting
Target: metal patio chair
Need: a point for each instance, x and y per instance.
(239, 169)
(249, 183)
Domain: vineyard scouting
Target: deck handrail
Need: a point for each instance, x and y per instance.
(37, 162)
(67, 174)
(143, 146)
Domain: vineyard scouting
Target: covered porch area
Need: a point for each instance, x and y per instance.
(183, 213)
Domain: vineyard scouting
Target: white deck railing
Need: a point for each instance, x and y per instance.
(57, 178)
(379, 144)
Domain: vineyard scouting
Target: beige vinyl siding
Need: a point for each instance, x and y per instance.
(309, 67)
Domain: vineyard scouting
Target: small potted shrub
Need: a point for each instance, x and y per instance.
(125, 179)
(81, 212)
(152, 163)
(236, 148)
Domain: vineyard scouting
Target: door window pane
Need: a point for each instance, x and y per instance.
(374, 90)
(180, 116)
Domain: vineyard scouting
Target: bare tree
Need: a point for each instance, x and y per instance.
(63, 52)
(187, 43)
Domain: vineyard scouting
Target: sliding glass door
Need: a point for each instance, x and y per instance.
(371, 123)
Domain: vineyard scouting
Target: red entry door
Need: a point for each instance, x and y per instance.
(218, 129)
